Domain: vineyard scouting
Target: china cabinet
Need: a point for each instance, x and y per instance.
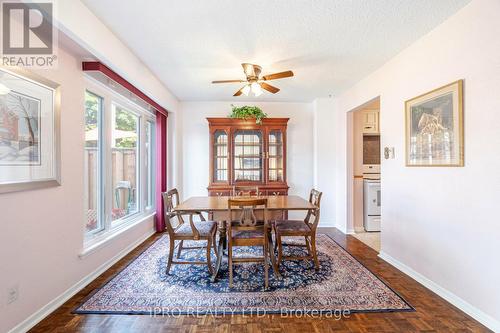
(243, 153)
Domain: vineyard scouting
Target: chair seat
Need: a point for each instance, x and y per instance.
(291, 227)
(205, 228)
(237, 223)
(248, 234)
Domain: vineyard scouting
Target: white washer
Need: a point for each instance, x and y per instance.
(371, 204)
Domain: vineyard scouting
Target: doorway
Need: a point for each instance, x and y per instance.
(364, 174)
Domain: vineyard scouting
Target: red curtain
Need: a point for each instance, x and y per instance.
(161, 168)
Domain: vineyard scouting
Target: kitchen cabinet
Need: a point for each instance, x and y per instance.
(371, 122)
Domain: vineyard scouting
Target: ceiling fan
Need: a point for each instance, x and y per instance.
(254, 82)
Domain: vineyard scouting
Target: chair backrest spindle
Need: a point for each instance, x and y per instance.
(172, 219)
(245, 208)
(312, 217)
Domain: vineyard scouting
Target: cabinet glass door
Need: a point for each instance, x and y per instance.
(220, 150)
(247, 162)
(275, 156)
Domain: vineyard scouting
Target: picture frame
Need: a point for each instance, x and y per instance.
(434, 128)
(29, 131)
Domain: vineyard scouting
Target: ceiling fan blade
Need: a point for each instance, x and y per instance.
(269, 87)
(239, 92)
(228, 81)
(279, 75)
(248, 69)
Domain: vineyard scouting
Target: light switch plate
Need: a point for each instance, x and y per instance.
(389, 153)
(12, 294)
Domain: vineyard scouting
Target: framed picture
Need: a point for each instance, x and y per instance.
(29, 131)
(434, 127)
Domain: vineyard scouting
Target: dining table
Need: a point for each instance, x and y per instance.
(278, 206)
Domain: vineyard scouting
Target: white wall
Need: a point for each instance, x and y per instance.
(42, 231)
(439, 223)
(324, 157)
(195, 143)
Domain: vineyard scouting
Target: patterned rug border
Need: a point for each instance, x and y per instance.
(287, 312)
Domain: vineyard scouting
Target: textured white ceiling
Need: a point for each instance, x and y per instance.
(329, 44)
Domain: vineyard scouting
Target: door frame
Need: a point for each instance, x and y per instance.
(350, 163)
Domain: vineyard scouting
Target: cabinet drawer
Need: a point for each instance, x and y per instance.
(215, 193)
(276, 192)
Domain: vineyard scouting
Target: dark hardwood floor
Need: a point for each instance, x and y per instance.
(433, 314)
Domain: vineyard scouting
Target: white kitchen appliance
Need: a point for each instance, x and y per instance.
(371, 204)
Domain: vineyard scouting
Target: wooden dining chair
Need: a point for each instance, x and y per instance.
(300, 228)
(180, 231)
(246, 230)
(245, 191)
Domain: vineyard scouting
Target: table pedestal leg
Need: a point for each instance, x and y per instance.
(273, 258)
(220, 247)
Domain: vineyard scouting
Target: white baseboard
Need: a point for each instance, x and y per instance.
(466, 307)
(327, 224)
(50, 307)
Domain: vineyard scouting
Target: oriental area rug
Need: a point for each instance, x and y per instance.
(342, 284)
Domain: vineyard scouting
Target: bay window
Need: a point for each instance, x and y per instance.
(119, 161)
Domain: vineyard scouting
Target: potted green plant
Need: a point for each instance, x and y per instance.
(247, 112)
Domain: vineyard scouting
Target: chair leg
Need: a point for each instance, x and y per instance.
(180, 248)
(314, 252)
(209, 261)
(266, 266)
(275, 239)
(170, 254)
(214, 243)
(230, 262)
(280, 250)
(308, 245)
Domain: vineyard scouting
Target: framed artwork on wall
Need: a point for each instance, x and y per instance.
(29, 131)
(434, 127)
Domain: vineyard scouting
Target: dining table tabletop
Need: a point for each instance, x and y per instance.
(217, 206)
(219, 203)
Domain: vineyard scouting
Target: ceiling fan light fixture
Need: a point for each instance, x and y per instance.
(256, 88)
(246, 90)
(254, 83)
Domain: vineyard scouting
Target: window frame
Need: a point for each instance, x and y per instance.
(138, 171)
(100, 185)
(150, 166)
(109, 99)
